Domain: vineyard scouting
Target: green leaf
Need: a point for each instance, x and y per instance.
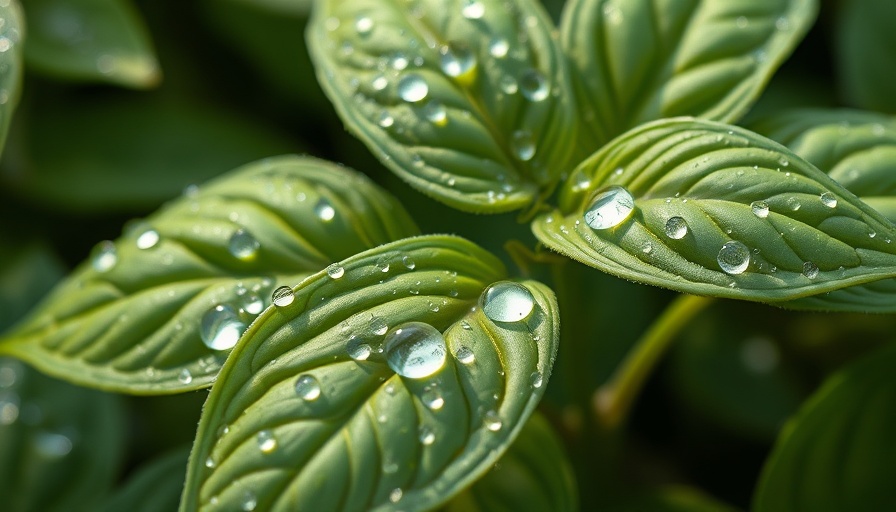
(293, 422)
(90, 40)
(297, 8)
(838, 453)
(642, 60)
(717, 210)
(155, 487)
(533, 475)
(60, 445)
(11, 35)
(469, 101)
(130, 319)
(865, 44)
(27, 272)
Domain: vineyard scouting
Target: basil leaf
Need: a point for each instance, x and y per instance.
(11, 33)
(864, 44)
(155, 487)
(382, 384)
(134, 318)
(90, 40)
(469, 102)
(641, 60)
(706, 208)
(838, 452)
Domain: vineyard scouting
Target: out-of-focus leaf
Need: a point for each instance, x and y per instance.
(642, 60)
(155, 487)
(27, 272)
(838, 453)
(384, 384)
(533, 475)
(672, 499)
(470, 102)
(60, 445)
(865, 45)
(711, 209)
(157, 311)
(297, 8)
(131, 154)
(90, 40)
(11, 41)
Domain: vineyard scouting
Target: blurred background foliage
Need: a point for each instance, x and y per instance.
(125, 104)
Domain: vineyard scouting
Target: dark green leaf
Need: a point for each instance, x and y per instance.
(469, 101)
(717, 210)
(11, 32)
(672, 499)
(155, 487)
(297, 8)
(865, 45)
(294, 422)
(838, 453)
(27, 273)
(130, 319)
(90, 40)
(642, 60)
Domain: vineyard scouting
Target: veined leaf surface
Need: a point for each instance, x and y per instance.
(470, 102)
(713, 209)
(309, 414)
(11, 35)
(643, 60)
(157, 310)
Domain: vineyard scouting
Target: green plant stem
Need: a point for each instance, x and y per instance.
(612, 401)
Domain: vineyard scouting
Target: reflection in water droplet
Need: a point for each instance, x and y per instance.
(492, 421)
(185, 377)
(507, 302)
(522, 144)
(358, 349)
(408, 262)
(473, 9)
(378, 326)
(307, 387)
(536, 379)
(609, 208)
(534, 86)
(676, 228)
(242, 245)
(283, 296)
(249, 501)
(363, 25)
(104, 256)
(432, 397)
(415, 350)
(759, 209)
(498, 48)
(734, 257)
(267, 443)
(793, 203)
(335, 271)
(148, 239)
(221, 328)
(386, 120)
(829, 200)
(324, 210)
(210, 462)
(435, 113)
(426, 435)
(810, 270)
(253, 305)
(412, 88)
(465, 355)
(457, 60)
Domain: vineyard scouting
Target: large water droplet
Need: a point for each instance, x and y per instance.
(307, 387)
(734, 257)
(534, 86)
(793, 203)
(104, 256)
(759, 209)
(523, 145)
(676, 228)
(829, 200)
(465, 355)
(267, 443)
(148, 239)
(412, 88)
(810, 270)
(457, 60)
(492, 421)
(324, 210)
(415, 350)
(283, 296)
(473, 9)
(507, 302)
(221, 328)
(242, 245)
(335, 271)
(609, 208)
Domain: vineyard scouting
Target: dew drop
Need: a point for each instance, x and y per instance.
(415, 350)
(473, 9)
(734, 257)
(508, 84)
(426, 435)
(523, 145)
(408, 262)
(335, 271)
(412, 88)
(9, 408)
(810, 270)
(283, 296)
(358, 349)
(457, 60)
(104, 256)
(534, 86)
(378, 326)
(536, 379)
(210, 462)
(759, 209)
(507, 302)
(249, 502)
(383, 264)
(609, 208)
(242, 245)
(492, 421)
(395, 495)
(364, 25)
(379, 83)
(828, 199)
(221, 327)
(307, 387)
(253, 305)
(432, 397)
(148, 239)
(435, 113)
(324, 210)
(385, 120)
(793, 203)
(185, 377)
(267, 443)
(676, 228)
(498, 48)
(465, 355)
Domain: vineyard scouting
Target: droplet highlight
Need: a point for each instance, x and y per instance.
(412, 88)
(609, 208)
(148, 239)
(104, 256)
(335, 271)
(523, 145)
(829, 200)
(534, 86)
(810, 270)
(759, 209)
(221, 327)
(415, 350)
(283, 296)
(465, 355)
(242, 245)
(734, 257)
(676, 228)
(507, 302)
(308, 387)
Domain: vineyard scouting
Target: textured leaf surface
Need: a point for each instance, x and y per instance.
(11, 36)
(129, 319)
(533, 475)
(295, 423)
(90, 40)
(838, 453)
(794, 231)
(469, 102)
(643, 60)
(865, 44)
(155, 487)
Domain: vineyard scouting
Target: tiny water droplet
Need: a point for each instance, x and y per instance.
(385, 120)
(432, 397)
(810, 270)
(609, 208)
(734, 257)
(324, 210)
(104, 256)
(283, 296)
(52, 445)
(221, 327)
(408, 262)
(364, 25)
(536, 379)
(507, 302)
(415, 350)
(253, 305)
(534, 86)
(498, 48)
(457, 59)
(382, 264)
(793, 203)
(492, 421)
(148, 239)
(249, 502)
(828, 199)
(267, 443)
(435, 113)
(508, 84)
(308, 387)
(676, 228)
(759, 209)
(426, 435)
(209, 462)
(358, 349)
(395, 495)
(465, 355)
(185, 377)
(242, 245)
(335, 271)
(523, 145)
(412, 88)
(783, 161)
(473, 9)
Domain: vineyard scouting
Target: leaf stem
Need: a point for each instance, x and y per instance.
(613, 401)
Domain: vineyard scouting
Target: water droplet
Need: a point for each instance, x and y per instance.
(432, 397)
(382, 264)
(363, 25)
(508, 84)
(435, 113)
(457, 60)
(473, 9)
(253, 305)
(104, 256)
(523, 145)
(609, 208)
(829, 200)
(324, 210)
(335, 271)
(536, 379)
(412, 88)
(810, 270)
(759, 209)
(210, 462)
(507, 302)
(148, 239)
(249, 501)
(267, 443)
(358, 349)
(408, 262)
(395, 495)
(465, 355)
(52, 445)
(307, 387)
(378, 326)
(465, 325)
(221, 328)
(242, 245)
(534, 86)
(492, 421)
(783, 161)
(415, 350)
(283, 296)
(385, 120)
(498, 48)
(734, 257)
(185, 377)
(793, 203)
(676, 228)
(426, 435)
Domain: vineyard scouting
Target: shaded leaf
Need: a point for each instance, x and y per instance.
(11, 36)
(27, 273)
(294, 422)
(865, 44)
(298, 8)
(672, 499)
(469, 102)
(642, 60)
(838, 453)
(90, 40)
(155, 487)
(130, 319)
(717, 210)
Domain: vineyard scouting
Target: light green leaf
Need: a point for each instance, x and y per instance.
(155, 487)
(295, 423)
(533, 475)
(130, 319)
(643, 60)
(90, 40)
(865, 44)
(11, 41)
(717, 210)
(468, 101)
(60, 445)
(838, 453)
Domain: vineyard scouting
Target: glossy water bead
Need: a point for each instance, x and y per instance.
(415, 350)
(507, 302)
(609, 208)
(221, 327)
